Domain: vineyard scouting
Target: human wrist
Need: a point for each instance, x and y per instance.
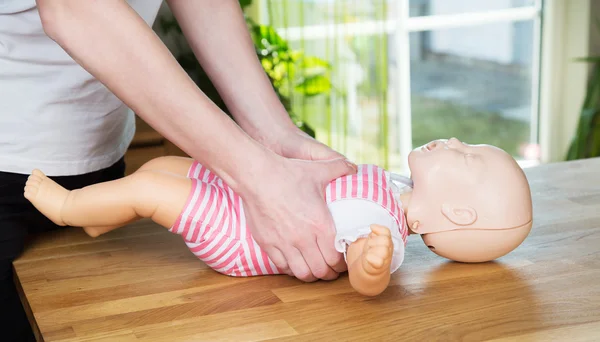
(277, 138)
(254, 166)
(270, 130)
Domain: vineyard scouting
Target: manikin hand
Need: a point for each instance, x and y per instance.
(290, 220)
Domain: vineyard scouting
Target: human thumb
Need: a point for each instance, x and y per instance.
(337, 168)
(323, 152)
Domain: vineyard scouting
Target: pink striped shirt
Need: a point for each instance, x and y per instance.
(213, 223)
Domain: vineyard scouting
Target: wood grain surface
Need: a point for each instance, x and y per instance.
(141, 283)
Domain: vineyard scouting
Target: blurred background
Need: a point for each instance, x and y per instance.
(377, 78)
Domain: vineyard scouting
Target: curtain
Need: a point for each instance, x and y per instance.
(356, 115)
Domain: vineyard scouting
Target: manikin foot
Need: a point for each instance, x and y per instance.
(378, 250)
(46, 195)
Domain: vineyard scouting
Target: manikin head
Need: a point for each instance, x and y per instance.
(470, 203)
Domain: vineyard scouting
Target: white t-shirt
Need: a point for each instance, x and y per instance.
(54, 115)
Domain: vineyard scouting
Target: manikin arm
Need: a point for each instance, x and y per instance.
(369, 261)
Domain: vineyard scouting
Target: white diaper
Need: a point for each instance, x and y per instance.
(353, 218)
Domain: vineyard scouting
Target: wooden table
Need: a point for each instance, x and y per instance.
(141, 283)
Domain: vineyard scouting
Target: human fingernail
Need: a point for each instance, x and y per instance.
(351, 164)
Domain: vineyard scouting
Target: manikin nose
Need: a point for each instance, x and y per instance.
(432, 145)
(441, 143)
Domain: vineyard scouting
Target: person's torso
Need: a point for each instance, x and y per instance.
(54, 115)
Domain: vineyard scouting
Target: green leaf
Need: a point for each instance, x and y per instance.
(267, 40)
(245, 3)
(313, 66)
(591, 59)
(587, 118)
(295, 55)
(284, 70)
(592, 98)
(313, 86)
(267, 64)
(314, 62)
(594, 139)
(283, 88)
(572, 152)
(579, 147)
(314, 72)
(306, 129)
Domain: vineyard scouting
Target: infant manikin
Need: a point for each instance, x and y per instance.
(471, 203)
(213, 223)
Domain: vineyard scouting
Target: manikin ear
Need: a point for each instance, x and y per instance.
(459, 215)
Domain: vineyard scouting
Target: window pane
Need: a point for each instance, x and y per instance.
(438, 7)
(474, 83)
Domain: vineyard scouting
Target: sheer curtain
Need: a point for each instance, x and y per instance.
(356, 116)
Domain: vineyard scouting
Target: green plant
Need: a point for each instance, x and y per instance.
(586, 142)
(291, 72)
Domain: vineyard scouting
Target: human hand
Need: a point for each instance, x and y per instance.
(296, 144)
(299, 145)
(289, 219)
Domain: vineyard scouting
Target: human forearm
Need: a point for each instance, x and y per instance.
(134, 64)
(218, 35)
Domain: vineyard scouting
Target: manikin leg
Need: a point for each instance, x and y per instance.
(154, 194)
(171, 164)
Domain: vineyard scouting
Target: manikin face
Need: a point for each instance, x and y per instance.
(457, 185)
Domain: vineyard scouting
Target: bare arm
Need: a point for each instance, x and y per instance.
(218, 35)
(137, 67)
(134, 64)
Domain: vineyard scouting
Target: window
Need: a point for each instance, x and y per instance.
(408, 71)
